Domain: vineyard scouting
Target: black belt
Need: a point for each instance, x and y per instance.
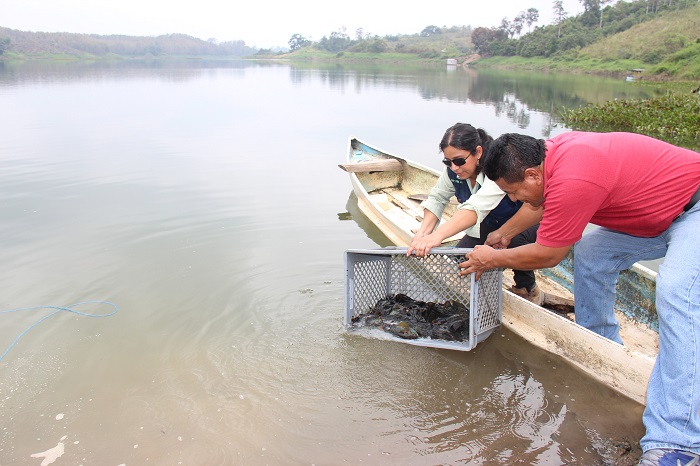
(693, 200)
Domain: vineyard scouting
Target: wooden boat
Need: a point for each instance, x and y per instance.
(389, 190)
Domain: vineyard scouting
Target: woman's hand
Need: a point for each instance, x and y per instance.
(423, 244)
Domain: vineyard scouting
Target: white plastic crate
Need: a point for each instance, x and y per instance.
(374, 274)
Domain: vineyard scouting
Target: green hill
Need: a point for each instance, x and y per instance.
(628, 35)
(650, 41)
(668, 45)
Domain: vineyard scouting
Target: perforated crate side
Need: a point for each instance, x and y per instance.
(373, 274)
(367, 280)
(489, 302)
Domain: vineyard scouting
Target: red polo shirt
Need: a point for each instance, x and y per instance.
(623, 181)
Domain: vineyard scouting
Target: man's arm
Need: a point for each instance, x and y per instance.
(528, 257)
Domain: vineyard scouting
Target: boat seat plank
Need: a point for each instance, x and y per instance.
(397, 200)
(384, 165)
(401, 205)
(405, 219)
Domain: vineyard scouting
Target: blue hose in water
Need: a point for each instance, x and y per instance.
(57, 309)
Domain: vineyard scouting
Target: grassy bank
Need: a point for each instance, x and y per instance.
(682, 66)
(311, 54)
(585, 65)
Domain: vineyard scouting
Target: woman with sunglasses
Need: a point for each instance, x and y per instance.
(483, 206)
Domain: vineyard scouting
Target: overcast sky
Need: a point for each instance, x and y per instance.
(262, 23)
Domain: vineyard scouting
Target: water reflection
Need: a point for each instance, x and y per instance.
(487, 406)
(52, 71)
(511, 94)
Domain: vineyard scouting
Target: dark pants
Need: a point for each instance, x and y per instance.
(523, 278)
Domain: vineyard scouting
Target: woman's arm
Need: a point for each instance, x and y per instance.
(430, 220)
(433, 207)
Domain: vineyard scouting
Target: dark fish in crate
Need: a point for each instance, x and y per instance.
(408, 318)
(453, 328)
(402, 329)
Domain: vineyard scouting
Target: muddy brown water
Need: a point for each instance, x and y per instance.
(204, 201)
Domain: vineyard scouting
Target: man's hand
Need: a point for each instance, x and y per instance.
(478, 261)
(497, 240)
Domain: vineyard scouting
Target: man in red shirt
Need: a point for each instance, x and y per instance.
(643, 193)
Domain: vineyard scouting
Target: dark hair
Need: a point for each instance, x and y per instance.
(464, 136)
(510, 155)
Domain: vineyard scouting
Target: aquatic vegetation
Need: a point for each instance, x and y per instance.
(674, 118)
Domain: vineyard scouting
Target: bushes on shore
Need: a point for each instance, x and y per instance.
(674, 118)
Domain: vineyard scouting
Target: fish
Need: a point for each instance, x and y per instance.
(407, 318)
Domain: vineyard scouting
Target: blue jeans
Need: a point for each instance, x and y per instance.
(672, 414)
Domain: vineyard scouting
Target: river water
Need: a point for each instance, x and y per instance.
(203, 200)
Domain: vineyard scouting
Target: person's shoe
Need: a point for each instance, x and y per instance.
(668, 457)
(534, 296)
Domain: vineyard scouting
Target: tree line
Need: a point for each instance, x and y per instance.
(598, 20)
(517, 36)
(26, 42)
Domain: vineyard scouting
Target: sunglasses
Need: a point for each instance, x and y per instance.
(459, 161)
